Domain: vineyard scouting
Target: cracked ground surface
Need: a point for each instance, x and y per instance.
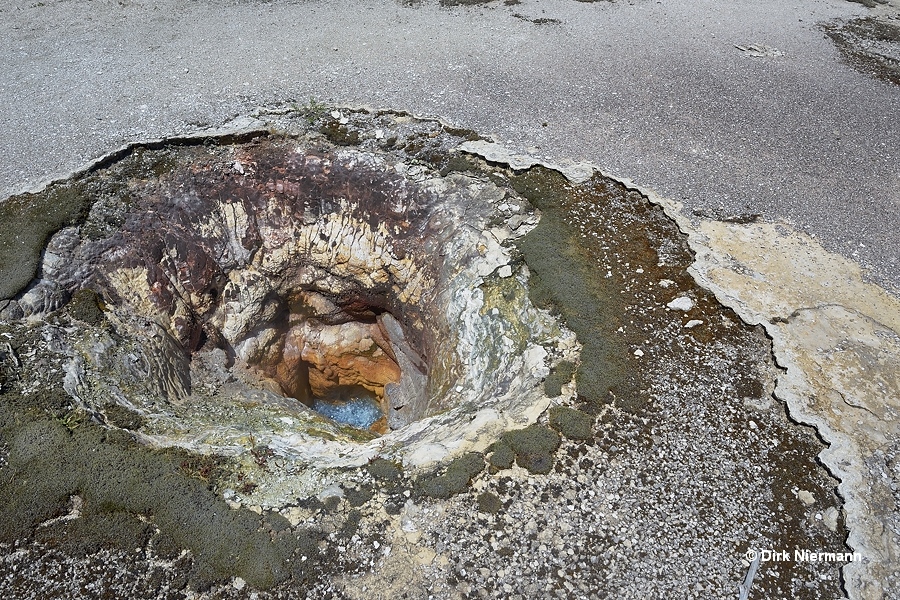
(801, 137)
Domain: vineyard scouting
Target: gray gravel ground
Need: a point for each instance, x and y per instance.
(654, 91)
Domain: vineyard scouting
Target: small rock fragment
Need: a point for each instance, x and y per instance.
(294, 516)
(515, 221)
(681, 303)
(806, 498)
(332, 491)
(693, 323)
(413, 537)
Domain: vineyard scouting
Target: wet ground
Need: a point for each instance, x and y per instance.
(360, 410)
(871, 45)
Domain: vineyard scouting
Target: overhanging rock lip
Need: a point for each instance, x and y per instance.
(238, 129)
(579, 172)
(241, 129)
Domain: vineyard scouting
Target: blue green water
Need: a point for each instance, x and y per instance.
(356, 407)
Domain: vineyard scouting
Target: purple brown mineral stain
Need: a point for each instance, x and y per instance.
(286, 258)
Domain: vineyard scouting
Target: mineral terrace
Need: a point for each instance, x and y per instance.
(333, 353)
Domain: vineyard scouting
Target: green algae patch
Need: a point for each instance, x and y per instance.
(572, 423)
(533, 447)
(119, 416)
(489, 502)
(357, 496)
(339, 134)
(385, 470)
(28, 222)
(459, 473)
(565, 279)
(504, 297)
(606, 260)
(129, 494)
(502, 456)
(560, 375)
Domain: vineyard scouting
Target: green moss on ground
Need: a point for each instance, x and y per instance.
(572, 423)
(565, 279)
(501, 456)
(28, 222)
(489, 503)
(339, 134)
(351, 524)
(94, 531)
(459, 473)
(359, 495)
(54, 456)
(48, 464)
(459, 163)
(385, 470)
(119, 416)
(533, 446)
(559, 376)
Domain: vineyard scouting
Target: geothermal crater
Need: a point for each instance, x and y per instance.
(313, 271)
(289, 291)
(333, 316)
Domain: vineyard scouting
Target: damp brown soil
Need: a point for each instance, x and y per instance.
(681, 420)
(609, 261)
